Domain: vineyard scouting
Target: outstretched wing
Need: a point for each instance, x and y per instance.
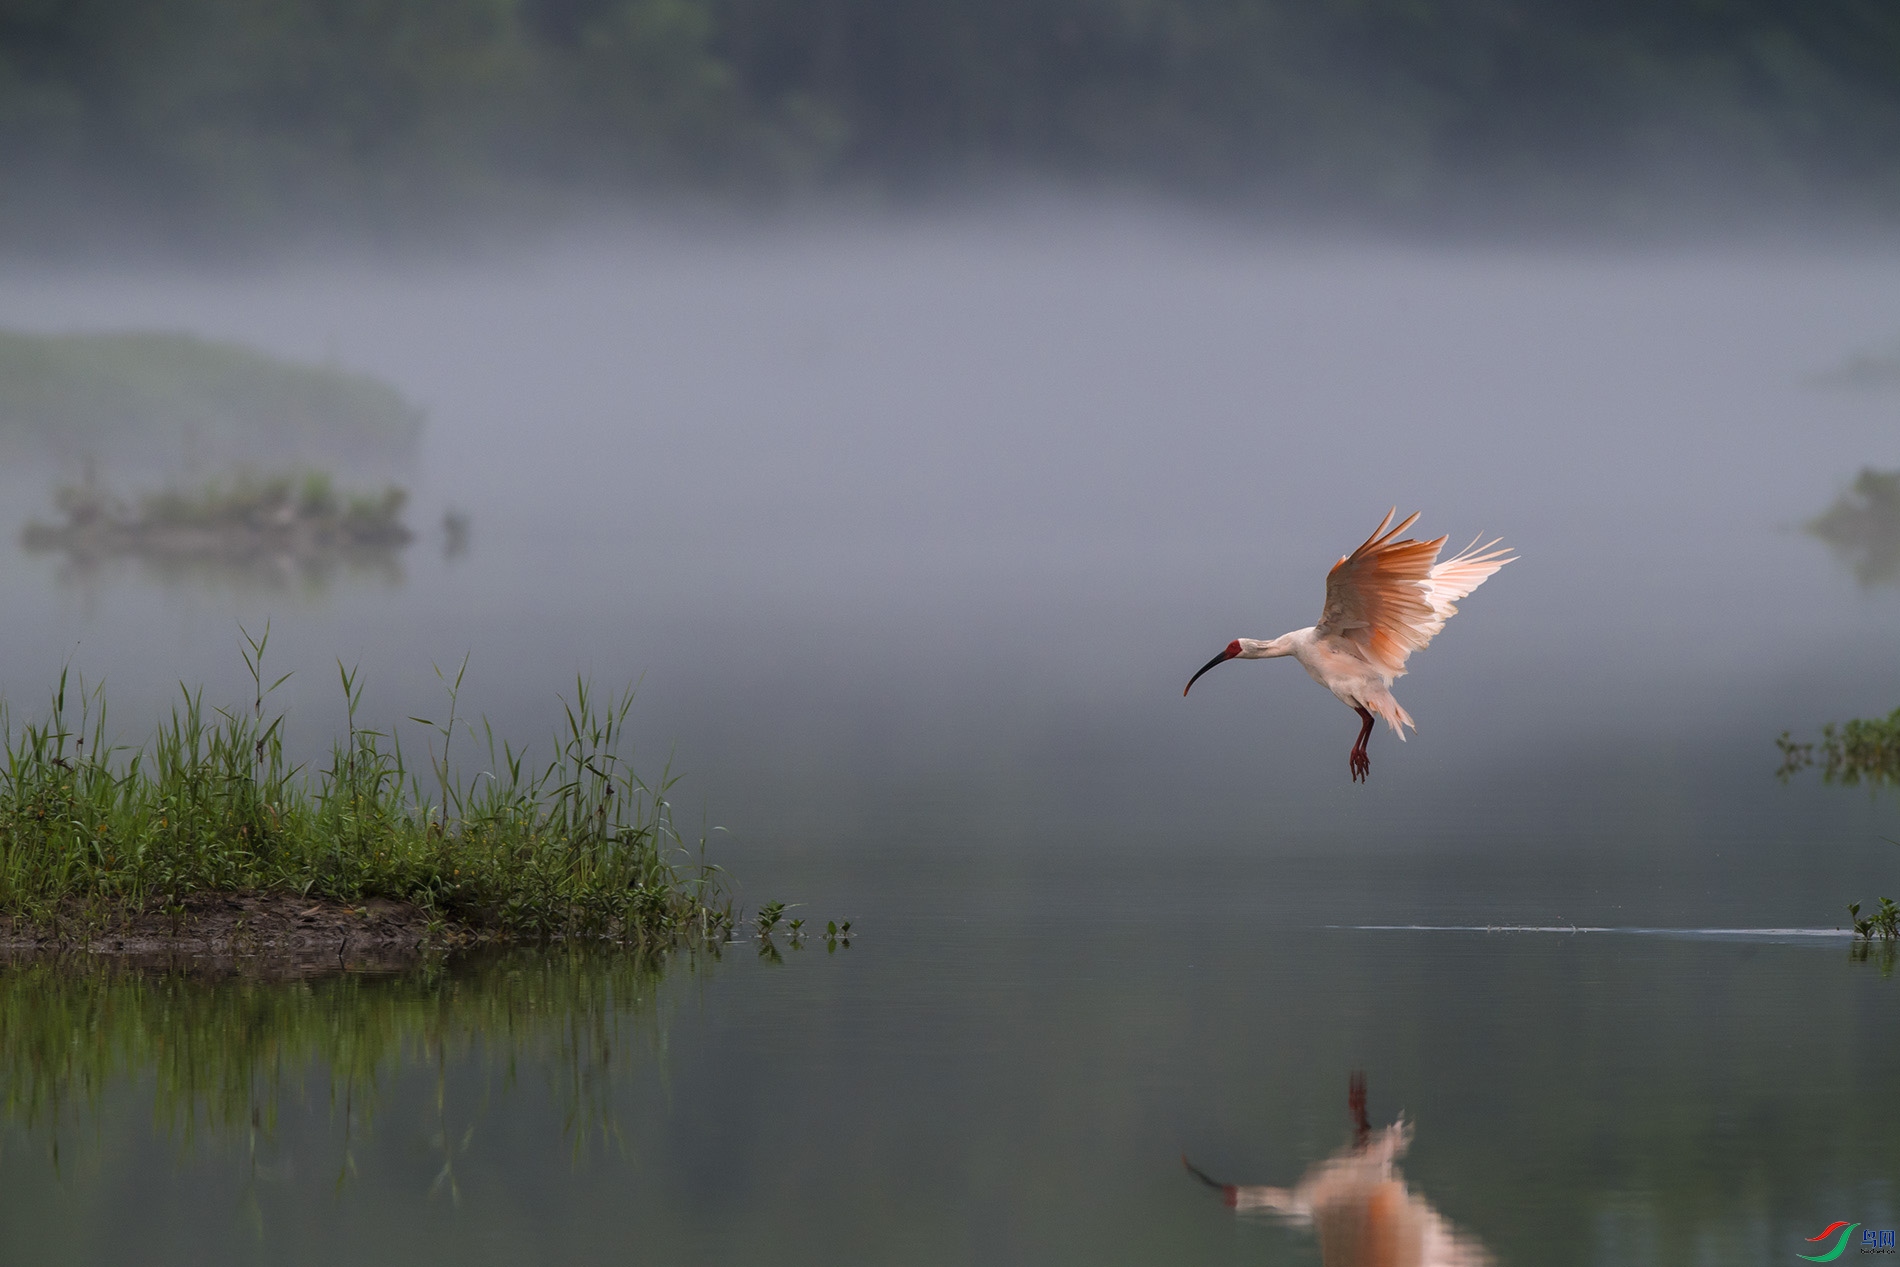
(1463, 572)
(1390, 596)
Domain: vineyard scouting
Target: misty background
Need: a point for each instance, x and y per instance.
(906, 398)
(909, 397)
(911, 534)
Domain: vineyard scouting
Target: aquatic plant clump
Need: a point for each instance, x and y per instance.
(236, 521)
(579, 847)
(1863, 527)
(1864, 750)
(1883, 924)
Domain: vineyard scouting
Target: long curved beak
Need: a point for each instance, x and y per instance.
(1222, 658)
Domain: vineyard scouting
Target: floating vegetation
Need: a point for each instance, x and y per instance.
(1883, 924)
(94, 840)
(158, 394)
(771, 920)
(1863, 527)
(278, 524)
(1864, 750)
(1876, 936)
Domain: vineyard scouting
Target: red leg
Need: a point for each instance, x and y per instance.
(1356, 1105)
(1361, 763)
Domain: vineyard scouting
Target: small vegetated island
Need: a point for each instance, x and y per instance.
(209, 841)
(143, 399)
(248, 522)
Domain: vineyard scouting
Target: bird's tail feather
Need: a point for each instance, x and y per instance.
(1394, 714)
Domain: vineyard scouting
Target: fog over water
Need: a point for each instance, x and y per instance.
(912, 530)
(909, 397)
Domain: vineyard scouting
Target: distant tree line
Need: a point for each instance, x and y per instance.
(241, 112)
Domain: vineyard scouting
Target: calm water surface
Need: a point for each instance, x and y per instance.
(960, 1092)
(911, 536)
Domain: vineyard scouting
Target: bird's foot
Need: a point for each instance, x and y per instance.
(1361, 765)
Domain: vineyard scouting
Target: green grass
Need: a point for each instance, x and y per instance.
(577, 846)
(78, 394)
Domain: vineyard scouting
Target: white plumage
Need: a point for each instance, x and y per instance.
(1384, 601)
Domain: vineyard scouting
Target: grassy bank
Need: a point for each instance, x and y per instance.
(576, 846)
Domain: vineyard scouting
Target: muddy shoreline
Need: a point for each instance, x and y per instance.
(252, 933)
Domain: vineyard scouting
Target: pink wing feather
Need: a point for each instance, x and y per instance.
(1390, 597)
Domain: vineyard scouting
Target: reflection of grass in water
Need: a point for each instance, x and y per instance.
(581, 846)
(306, 578)
(76, 393)
(1882, 953)
(1863, 527)
(221, 1054)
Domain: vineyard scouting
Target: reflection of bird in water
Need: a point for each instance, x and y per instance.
(1384, 601)
(1359, 1207)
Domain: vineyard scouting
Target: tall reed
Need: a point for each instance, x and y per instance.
(580, 846)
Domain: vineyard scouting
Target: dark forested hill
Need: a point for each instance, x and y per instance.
(226, 113)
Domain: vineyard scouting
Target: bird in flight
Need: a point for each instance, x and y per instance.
(1384, 601)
